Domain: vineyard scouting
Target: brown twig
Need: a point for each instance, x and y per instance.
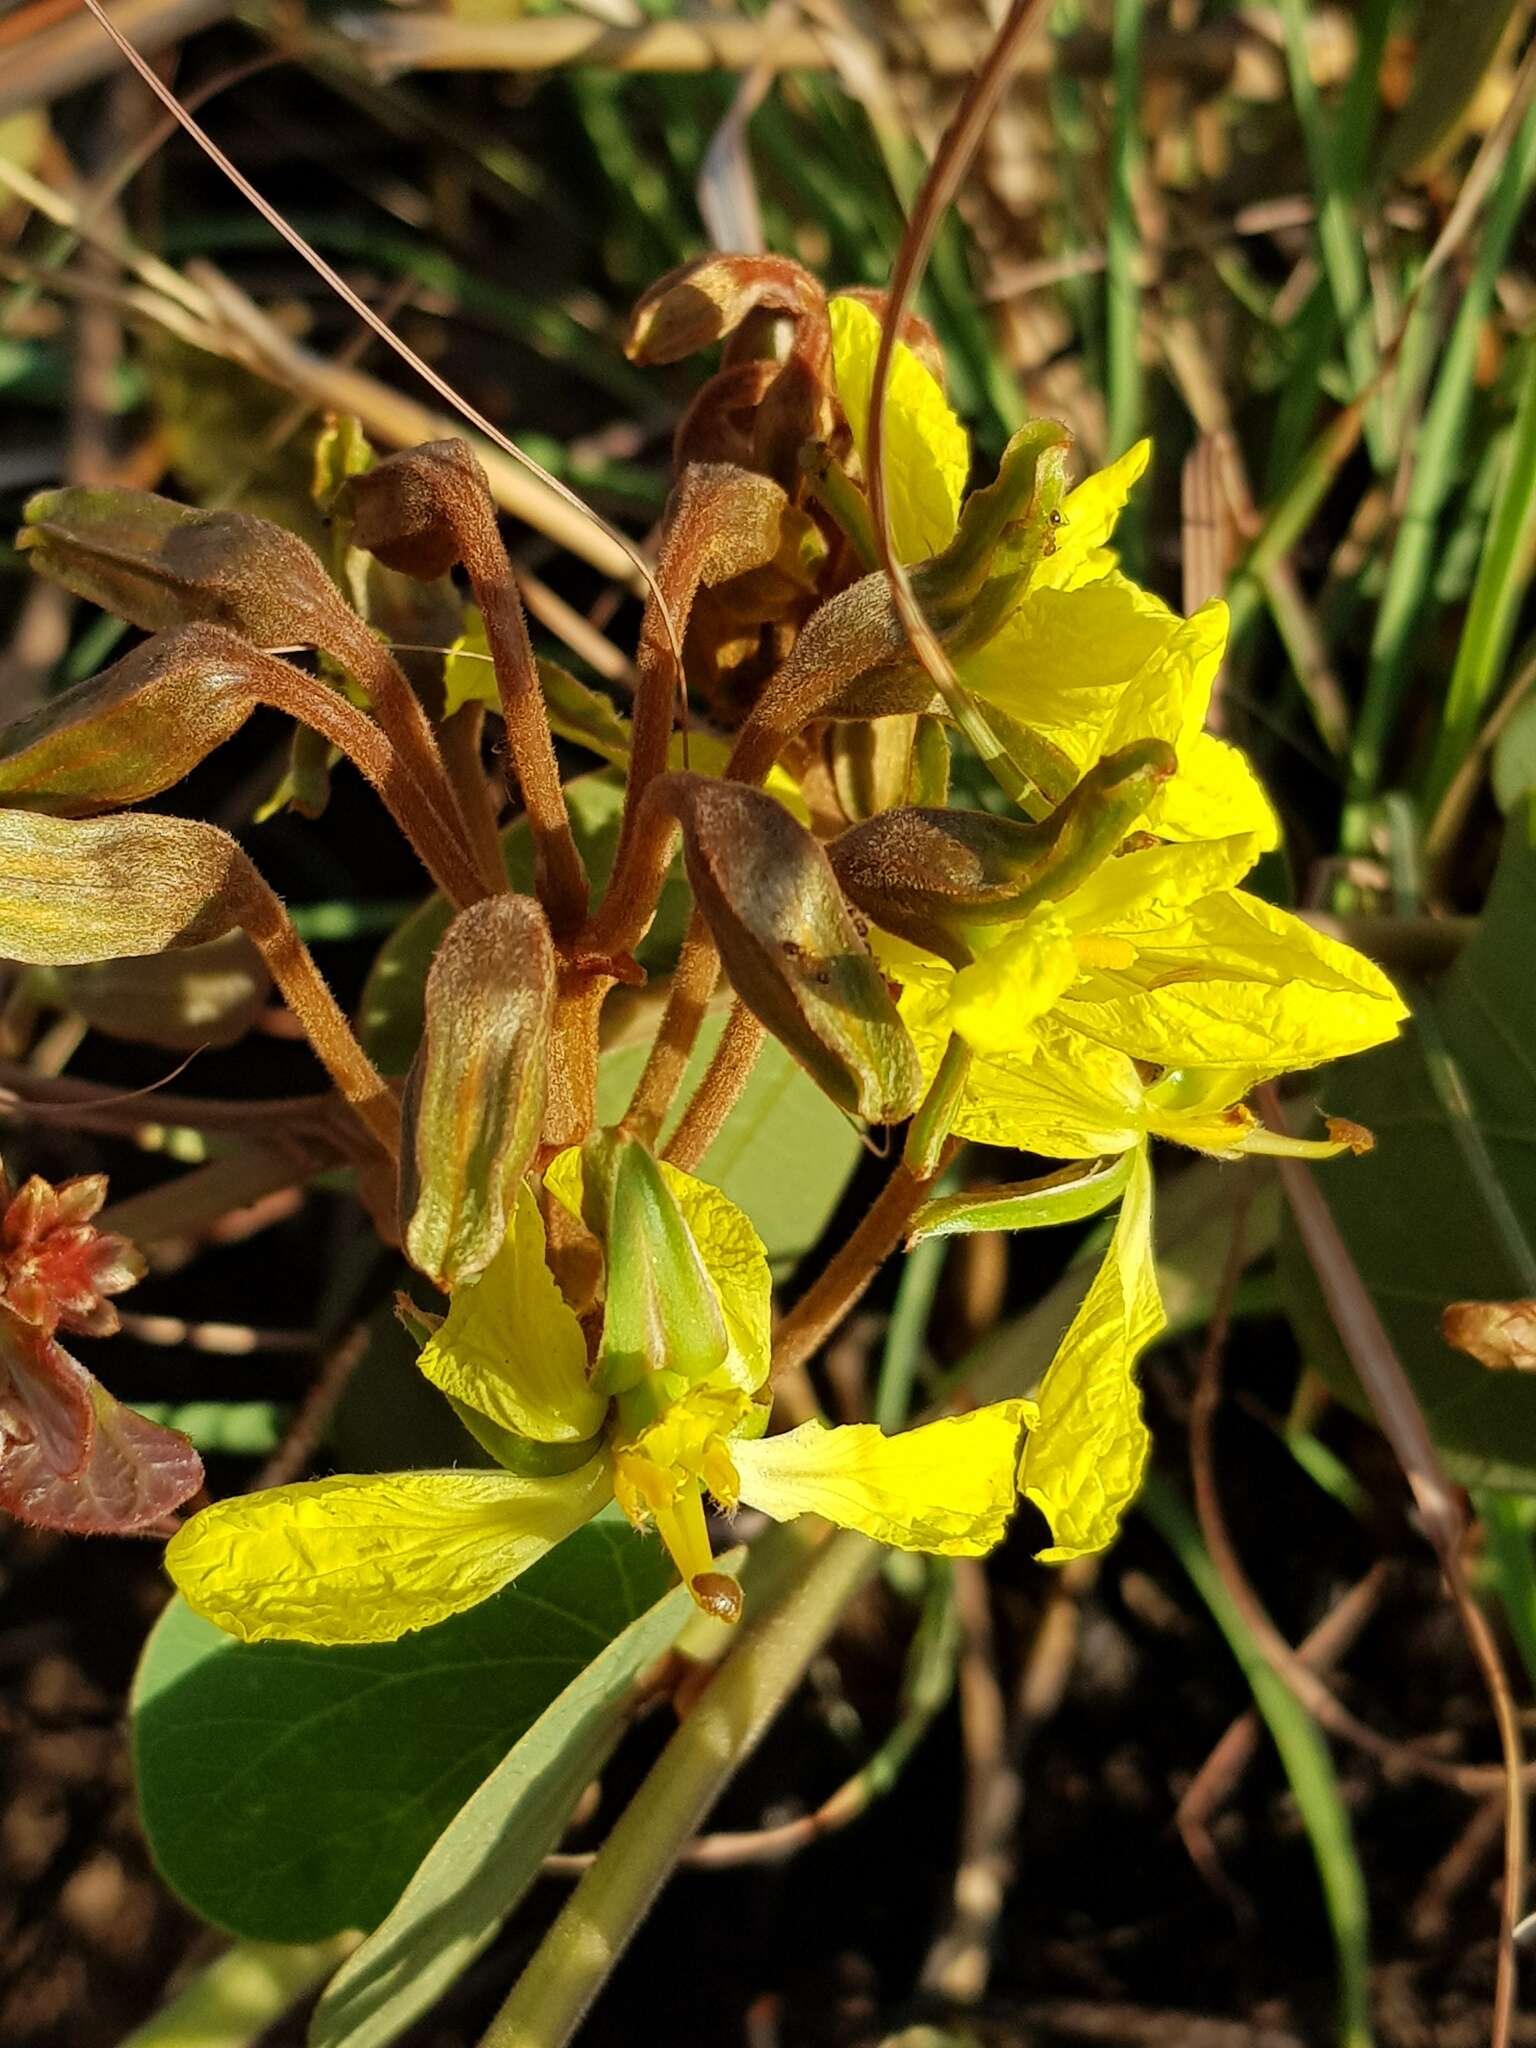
(1219, 1775)
(693, 984)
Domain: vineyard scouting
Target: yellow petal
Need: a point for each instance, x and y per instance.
(926, 457)
(511, 1347)
(996, 1002)
(1237, 983)
(1152, 892)
(1073, 1100)
(733, 1256)
(1064, 659)
(367, 1560)
(1090, 514)
(1087, 1444)
(1168, 698)
(1214, 795)
(946, 1487)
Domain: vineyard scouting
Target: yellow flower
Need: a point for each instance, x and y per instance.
(1085, 659)
(351, 1560)
(1158, 959)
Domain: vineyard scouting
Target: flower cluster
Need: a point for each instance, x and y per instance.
(1072, 977)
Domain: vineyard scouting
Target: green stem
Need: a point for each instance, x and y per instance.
(576, 1957)
(239, 1996)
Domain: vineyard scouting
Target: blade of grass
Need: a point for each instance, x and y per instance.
(1437, 463)
(1507, 1529)
(1333, 165)
(1503, 576)
(1126, 390)
(1304, 1756)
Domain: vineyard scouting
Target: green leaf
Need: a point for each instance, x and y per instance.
(490, 1852)
(1445, 1208)
(1065, 1197)
(392, 1010)
(784, 1155)
(288, 1792)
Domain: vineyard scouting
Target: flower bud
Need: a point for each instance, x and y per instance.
(927, 875)
(78, 890)
(158, 564)
(135, 729)
(400, 508)
(790, 947)
(701, 302)
(662, 1327)
(474, 1101)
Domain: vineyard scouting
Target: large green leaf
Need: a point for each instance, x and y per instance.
(490, 1852)
(785, 1153)
(391, 1013)
(1445, 1208)
(289, 1792)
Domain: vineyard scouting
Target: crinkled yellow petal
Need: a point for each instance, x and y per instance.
(926, 456)
(1236, 983)
(996, 1002)
(1142, 895)
(947, 1487)
(511, 1346)
(1064, 658)
(1073, 1100)
(367, 1560)
(733, 1255)
(1087, 1444)
(1169, 697)
(1214, 796)
(1089, 516)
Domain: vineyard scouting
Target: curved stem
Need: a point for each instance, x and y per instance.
(411, 805)
(560, 878)
(576, 1957)
(720, 1090)
(823, 1306)
(693, 983)
(266, 923)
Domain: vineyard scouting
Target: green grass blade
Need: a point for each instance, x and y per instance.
(1503, 575)
(1126, 393)
(1438, 462)
(1304, 1755)
(1332, 161)
(1507, 1526)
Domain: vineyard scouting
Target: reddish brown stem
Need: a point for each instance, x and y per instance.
(264, 920)
(823, 1306)
(720, 1090)
(693, 983)
(400, 716)
(560, 880)
(461, 741)
(411, 805)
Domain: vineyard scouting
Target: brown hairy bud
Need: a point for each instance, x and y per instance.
(401, 508)
(790, 946)
(474, 1102)
(701, 302)
(1498, 1334)
(929, 874)
(135, 729)
(159, 564)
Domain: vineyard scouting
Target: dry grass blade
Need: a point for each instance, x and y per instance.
(338, 284)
